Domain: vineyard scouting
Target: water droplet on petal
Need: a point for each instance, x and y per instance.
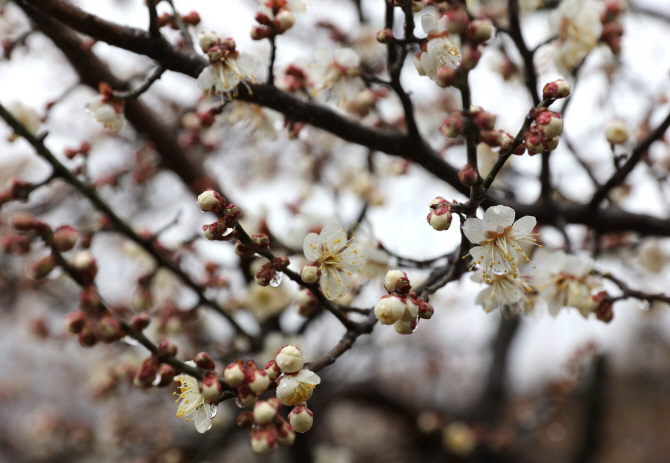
(276, 280)
(213, 408)
(130, 341)
(157, 380)
(228, 232)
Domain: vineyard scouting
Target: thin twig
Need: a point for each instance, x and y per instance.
(153, 77)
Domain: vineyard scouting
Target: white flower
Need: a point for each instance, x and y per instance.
(337, 76)
(294, 389)
(337, 258)
(503, 292)
(28, 117)
(296, 6)
(567, 280)
(193, 403)
(227, 67)
(253, 117)
(440, 51)
(107, 111)
(498, 237)
(578, 26)
(265, 301)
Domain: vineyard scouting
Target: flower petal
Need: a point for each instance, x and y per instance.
(331, 284)
(333, 237)
(311, 247)
(347, 57)
(206, 79)
(475, 231)
(248, 63)
(497, 218)
(524, 225)
(202, 420)
(428, 23)
(309, 377)
(323, 56)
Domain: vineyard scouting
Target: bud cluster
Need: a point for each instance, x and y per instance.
(612, 27)
(294, 387)
(217, 49)
(478, 121)
(167, 19)
(92, 323)
(273, 19)
(401, 307)
(223, 228)
(543, 134)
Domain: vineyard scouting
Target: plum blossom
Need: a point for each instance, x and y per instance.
(578, 26)
(439, 51)
(337, 258)
(107, 111)
(510, 295)
(193, 405)
(337, 76)
(568, 281)
(26, 116)
(297, 388)
(498, 236)
(254, 118)
(227, 66)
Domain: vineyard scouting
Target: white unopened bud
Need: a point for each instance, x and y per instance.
(301, 419)
(259, 382)
(389, 309)
(616, 132)
(551, 143)
(391, 279)
(207, 40)
(310, 273)
(210, 200)
(402, 327)
(264, 412)
(234, 374)
(305, 304)
(264, 440)
(550, 124)
(440, 219)
(284, 20)
(289, 359)
(210, 388)
(411, 311)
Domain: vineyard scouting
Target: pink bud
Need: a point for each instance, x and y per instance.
(146, 373)
(235, 373)
(264, 439)
(167, 374)
(301, 418)
(140, 321)
(534, 143)
(41, 268)
(453, 125)
(245, 420)
(385, 36)
(467, 175)
(280, 263)
(286, 434)
(556, 89)
(549, 123)
(204, 361)
(166, 349)
(470, 56)
(492, 138)
(480, 30)
(85, 265)
(273, 371)
(257, 380)
(425, 310)
(74, 321)
(261, 241)
(446, 76)
(457, 19)
(65, 237)
(108, 329)
(210, 387)
(87, 336)
(244, 251)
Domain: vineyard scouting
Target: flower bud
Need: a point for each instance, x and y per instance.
(556, 89)
(210, 387)
(232, 214)
(467, 175)
(284, 20)
(616, 132)
(385, 36)
(235, 373)
(207, 40)
(396, 280)
(246, 397)
(210, 200)
(85, 265)
(480, 30)
(245, 420)
(146, 373)
(140, 321)
(301, 418)
(470, 56)
(108, 329)
(204, 361)
(483, 120)
(457, 20)
(289, 359)
(411, 310)
(551, 143)
(453, 125)
(604, 311)
(403, 327)
(264, 440)
(166, 349)
(506, 140)
(305, 304)
(167, 374)
(244, 251)
(550, 124)
(22, 221)
(492, 138)
(534, 143)
(286, 434)
(310, 273)
(265, 275)
(425, 310)
(74, 321)
(417, 6)
(15, 244)
(192, 18)
(215, 54)
(264, 412)
(446, 76)
(65, 237)
(87, 336)
(280, 263)
(389, 309)
(257, 380)
(272, 369)
(261, 241)
(41, 268)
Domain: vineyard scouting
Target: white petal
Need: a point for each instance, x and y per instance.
(428, 23)
(311, 247)
(206, 79)
(231, 78)
(333, 237)
(347, 57)
(202, 420)
(323, 56)
(309, 377)
(475, 231)
(477, 276)
(330, 284)
(248, 63)
(524, 225)
(478, 253)
(497, 218)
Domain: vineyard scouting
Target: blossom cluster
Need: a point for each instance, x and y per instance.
(295, 386)
(401, 308)
(275, 17)
(333, 260)
(107, 110)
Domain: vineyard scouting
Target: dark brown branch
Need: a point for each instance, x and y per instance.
(628, 292)
(154, 29)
